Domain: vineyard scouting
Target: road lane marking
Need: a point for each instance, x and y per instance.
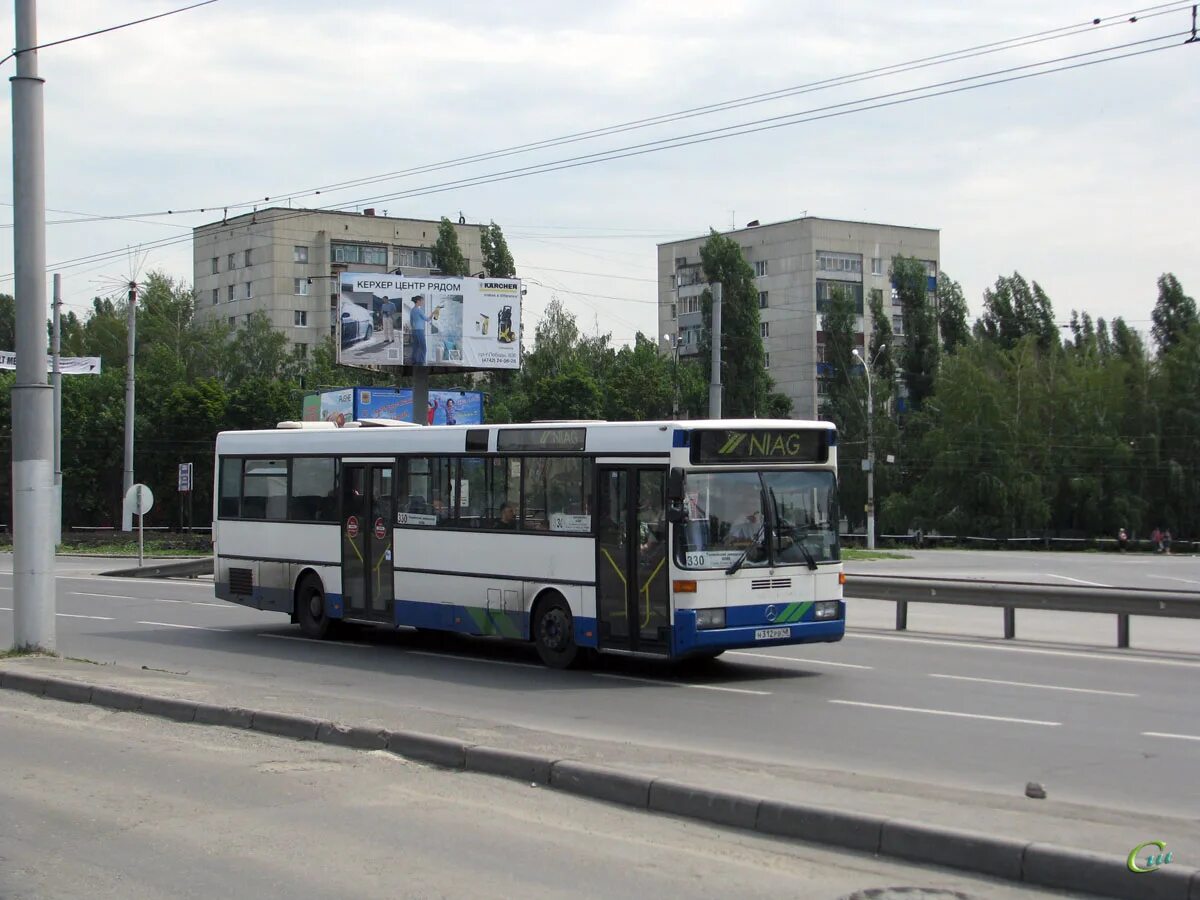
(1044, 687)
(944, 712)
(75, 616)
(1169, 578)
(296, 637)
(949, 641)
(157, 600)
(1077, 580)
(175, 625)
(1178, 737)
(799, 659)
(683, 684)
(474, 659)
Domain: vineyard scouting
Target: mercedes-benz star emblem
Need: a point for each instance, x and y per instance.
(770, 613)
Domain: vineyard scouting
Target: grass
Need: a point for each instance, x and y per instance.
(17, 653)
(851, 553)
(127, 548)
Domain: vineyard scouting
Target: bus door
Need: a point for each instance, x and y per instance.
(632, 559)
(367, 541)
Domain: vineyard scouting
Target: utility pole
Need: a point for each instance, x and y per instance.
(130, 350)
(32, 401)
(714, 384)
(870, 467)
(56, 378)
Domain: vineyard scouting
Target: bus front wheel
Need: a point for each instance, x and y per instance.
(310, 608)
(554, 634)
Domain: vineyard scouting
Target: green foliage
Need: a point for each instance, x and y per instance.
(1015, 309)
(952, 314)
(447, 255)
(1174, 314)
(497, 260)
(919, 361)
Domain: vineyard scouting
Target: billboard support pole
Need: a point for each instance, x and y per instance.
(56, 380)
(420, 395)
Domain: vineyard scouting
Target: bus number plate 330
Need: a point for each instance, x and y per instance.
(772, 634)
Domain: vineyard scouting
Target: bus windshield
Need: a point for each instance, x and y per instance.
(770, 517)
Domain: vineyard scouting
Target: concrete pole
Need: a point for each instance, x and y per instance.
(56, 379)
(32, 400)
(130, 351)
(870, 462)
(714, 384)
(420, 395)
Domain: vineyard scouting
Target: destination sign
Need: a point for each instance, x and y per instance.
(759, 445)
(536, 439)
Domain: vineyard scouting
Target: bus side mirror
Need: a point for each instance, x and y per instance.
(675, 511)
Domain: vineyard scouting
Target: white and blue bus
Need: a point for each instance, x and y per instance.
(677, 539)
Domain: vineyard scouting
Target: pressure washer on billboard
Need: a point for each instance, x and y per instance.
(504, 329)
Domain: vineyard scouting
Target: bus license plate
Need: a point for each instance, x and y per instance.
(771, 634)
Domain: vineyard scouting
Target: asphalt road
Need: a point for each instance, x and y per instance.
(104, 804)
(1099, 727)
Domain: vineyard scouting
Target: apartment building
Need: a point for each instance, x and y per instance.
(797, 264)
(286, 263)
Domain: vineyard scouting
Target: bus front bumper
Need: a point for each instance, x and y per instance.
(687, 639)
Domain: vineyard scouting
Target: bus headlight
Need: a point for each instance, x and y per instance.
(710, 618)
(826, 609)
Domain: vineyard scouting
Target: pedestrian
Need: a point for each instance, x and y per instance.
(1122, 539)
(1166, 541)
(1156, 540)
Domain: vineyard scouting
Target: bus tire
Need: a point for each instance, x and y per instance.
(310, 608)
(553, 633)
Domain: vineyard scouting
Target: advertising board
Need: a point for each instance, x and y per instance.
(438, 321)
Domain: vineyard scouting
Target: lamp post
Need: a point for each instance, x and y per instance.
(870, 446)
(673, 342)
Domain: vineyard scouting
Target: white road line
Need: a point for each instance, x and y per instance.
(1169, 578)
(157, 600)
(474, 659)
(174, 625)
(799, 659)
(1044, 687)
(683, 684)
(296, 637)
(110, 596)
(115, 579)
(1077, 580)
(74, 616)
(944, 712)
(1178, 737)
(1078, 654)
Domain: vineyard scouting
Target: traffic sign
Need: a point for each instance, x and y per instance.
(380, 529)
(352, 527)
(185, 477)
(139, 500)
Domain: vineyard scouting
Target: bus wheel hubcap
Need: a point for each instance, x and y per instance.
(554, 629)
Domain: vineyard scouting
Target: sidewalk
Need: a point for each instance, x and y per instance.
(1108, 833)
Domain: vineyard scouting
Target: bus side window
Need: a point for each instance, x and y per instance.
(504, 487)
(229, 504)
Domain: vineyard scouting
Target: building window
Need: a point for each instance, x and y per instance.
(232, 321)
(229, 293)
(360, 253)
(248, 293)
(216, 296)
(820, 353)
(760, 268)
(673, 311)
(301, 318)
(766, 360)
(301, 287)
(764, 329)
(301, 351)
(829, 261)
(248, 257)
(898, 324)
(762, 299)
(232, 264)
(216, 265)
(299, 254)
(876, 265)
(416, 257)
(826, 289)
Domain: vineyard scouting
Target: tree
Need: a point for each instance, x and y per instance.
(257, 351)
(1174, 313)
(952, 313)
(447, 255)
(1014, 309)
(845, 397)
(743, 371)
(641, 383)
(919, 361)
(882, 348)
(8, 322)
(497, 260)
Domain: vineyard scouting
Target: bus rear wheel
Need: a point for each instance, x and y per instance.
(310, 608)
(554, 634)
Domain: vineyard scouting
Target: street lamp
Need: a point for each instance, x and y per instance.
(673, 342)
(870, 446)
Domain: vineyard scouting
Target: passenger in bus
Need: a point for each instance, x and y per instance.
(747, 529)
(508, 516)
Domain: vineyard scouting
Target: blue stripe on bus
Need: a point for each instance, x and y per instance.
(478, 620)
(686, 638)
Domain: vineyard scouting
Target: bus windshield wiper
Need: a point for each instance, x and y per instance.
(737, 563)
(809, 560)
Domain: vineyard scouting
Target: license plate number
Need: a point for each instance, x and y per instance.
(771, 634)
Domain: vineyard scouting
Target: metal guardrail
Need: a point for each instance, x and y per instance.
(1011, 596)
(186, 568)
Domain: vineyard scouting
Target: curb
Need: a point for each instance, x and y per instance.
(1026, 862)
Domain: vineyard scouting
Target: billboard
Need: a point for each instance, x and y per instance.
(438, 321)
(351, 404)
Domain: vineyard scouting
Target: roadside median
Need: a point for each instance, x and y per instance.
(1017, 859)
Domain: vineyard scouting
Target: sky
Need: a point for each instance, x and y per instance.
(1081, 180)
